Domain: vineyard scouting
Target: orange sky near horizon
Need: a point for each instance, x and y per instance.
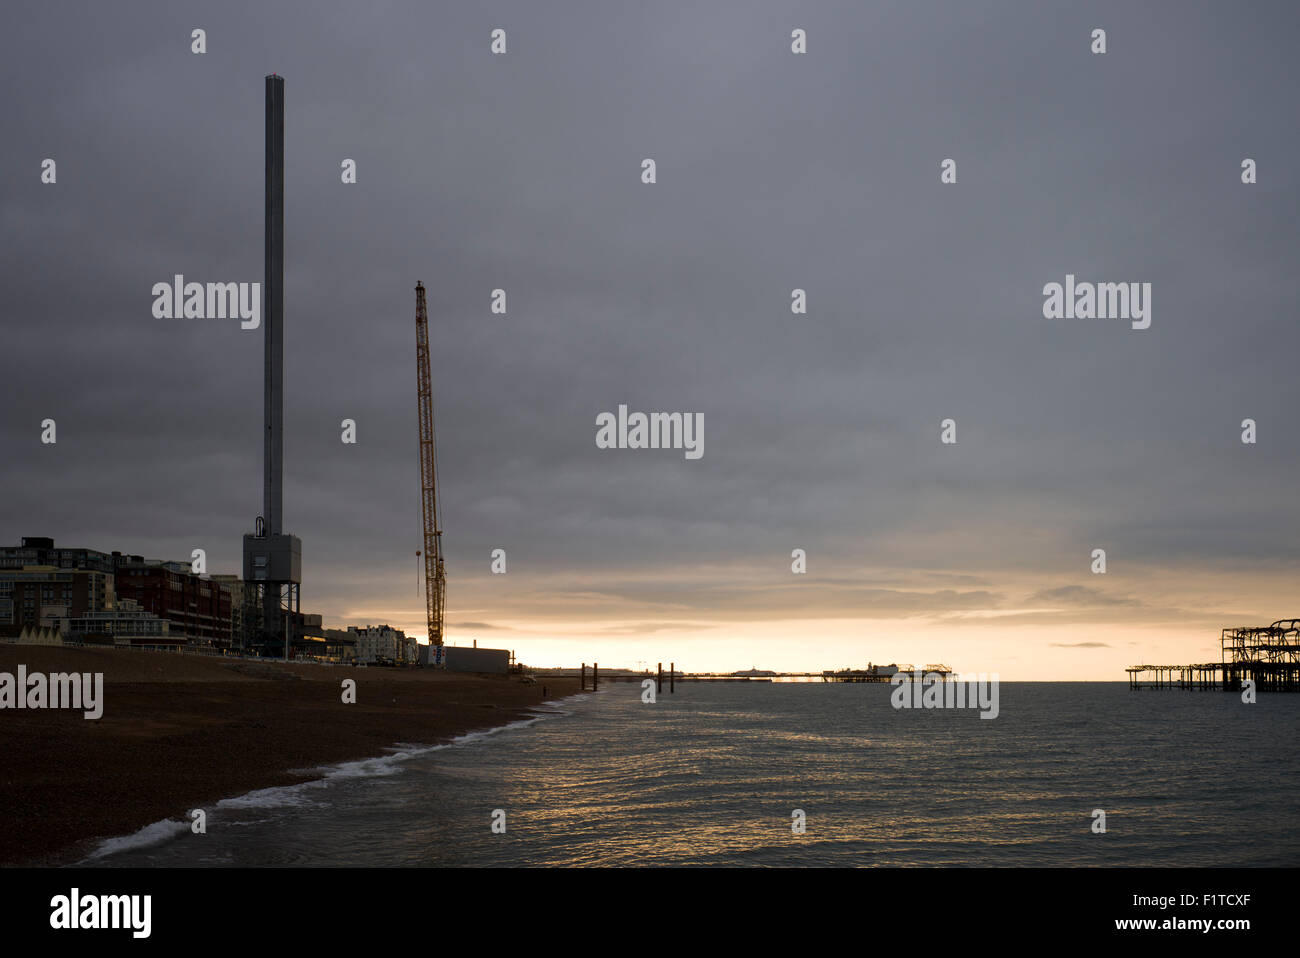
(1087, 631)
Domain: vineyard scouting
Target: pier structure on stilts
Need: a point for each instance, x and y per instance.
(1268, 655)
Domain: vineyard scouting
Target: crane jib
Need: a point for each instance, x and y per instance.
(434, 574)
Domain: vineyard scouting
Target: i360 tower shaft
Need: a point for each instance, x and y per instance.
(273, 314)
(272, 557)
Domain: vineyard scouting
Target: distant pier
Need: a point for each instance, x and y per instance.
(881, 674)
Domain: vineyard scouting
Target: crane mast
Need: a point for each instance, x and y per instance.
(435, 579)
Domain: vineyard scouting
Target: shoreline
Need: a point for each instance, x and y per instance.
(165, 829)
(180, 732)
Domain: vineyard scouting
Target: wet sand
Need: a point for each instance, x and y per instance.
(182, 731)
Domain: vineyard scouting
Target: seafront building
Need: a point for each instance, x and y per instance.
(128, 624)
(79, 606)
(197, 605)
(30, 593)
(110, 597)
(381, 645)
(89, 597)
(245, 612)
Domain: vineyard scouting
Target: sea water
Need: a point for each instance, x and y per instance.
(717, 773)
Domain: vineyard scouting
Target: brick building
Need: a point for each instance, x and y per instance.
(196, 606)
(88, 581)
(31, 594)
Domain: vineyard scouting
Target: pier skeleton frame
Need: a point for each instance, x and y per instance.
(1268, 655)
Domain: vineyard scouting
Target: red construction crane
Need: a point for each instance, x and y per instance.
(435, 580)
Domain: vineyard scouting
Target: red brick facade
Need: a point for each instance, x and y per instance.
(197, 606)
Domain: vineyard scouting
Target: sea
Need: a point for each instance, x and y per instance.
(792, 774)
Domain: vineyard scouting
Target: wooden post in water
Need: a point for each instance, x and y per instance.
(582, 681)
(672, 677)
(595, 676)
(659, 688)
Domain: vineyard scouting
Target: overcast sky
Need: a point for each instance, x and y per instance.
(775, 171)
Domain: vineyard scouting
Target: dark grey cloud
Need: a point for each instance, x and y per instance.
(1076, 595)
(775, 171)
